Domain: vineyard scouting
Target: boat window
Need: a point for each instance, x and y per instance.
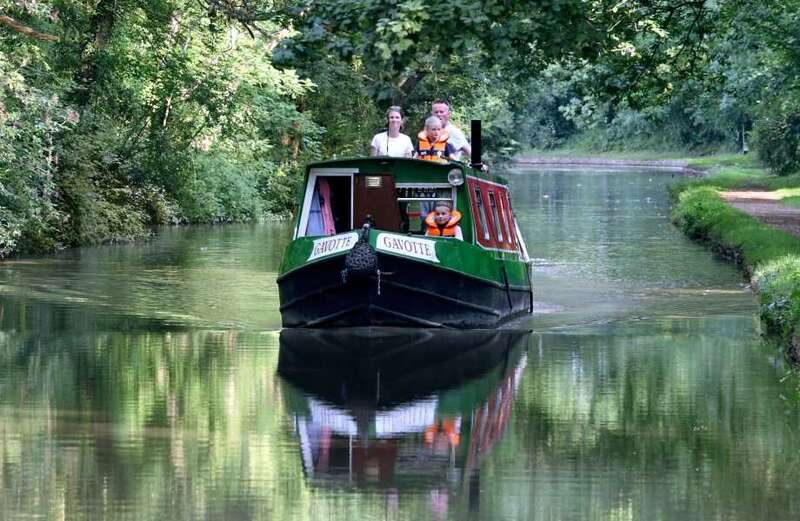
(416, 202)
(505, 211)
(497, 225)
(481, 213)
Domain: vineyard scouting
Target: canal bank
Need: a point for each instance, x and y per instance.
(742, 214)
(756, 232)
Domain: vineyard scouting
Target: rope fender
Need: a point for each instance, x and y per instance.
(362, 261)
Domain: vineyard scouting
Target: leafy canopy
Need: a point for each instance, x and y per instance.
(396, 43)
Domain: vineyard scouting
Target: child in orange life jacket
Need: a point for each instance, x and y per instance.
(433, 143)
(443, 221)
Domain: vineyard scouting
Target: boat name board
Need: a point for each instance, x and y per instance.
(333, 244)
(424, 249)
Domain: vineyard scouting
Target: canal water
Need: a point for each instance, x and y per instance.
(151, 381)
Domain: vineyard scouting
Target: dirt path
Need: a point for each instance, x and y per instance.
(766, 207)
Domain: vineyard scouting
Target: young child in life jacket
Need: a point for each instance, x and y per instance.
(443, 221)
(433, 143)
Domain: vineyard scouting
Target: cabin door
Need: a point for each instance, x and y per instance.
(375, 195)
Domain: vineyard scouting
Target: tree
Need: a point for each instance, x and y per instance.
(397, 43)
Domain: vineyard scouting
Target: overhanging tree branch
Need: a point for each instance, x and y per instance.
(27, 31)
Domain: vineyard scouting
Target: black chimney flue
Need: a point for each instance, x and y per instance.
(475, 160)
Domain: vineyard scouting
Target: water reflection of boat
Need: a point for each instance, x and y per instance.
(400, 409)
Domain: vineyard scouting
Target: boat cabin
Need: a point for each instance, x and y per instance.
(398, 193)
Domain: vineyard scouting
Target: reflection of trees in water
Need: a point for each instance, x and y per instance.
(184, 278)
(172, 424)
(678, 419)
(153, 423)
(658, 420)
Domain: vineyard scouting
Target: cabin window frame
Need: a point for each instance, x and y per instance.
(480, 210)
(313, 174)
(506, 212)
(476, 184)
(492, 197)
(453, 198)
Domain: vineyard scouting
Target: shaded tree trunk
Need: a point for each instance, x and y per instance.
(407, 87)
(101, 29)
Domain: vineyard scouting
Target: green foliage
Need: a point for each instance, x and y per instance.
(708, 96)
(280, 189)
(697, 211)
(472, 94)
(793, 202)
(778, 142)
(397, 43)
(678, 124)
(123, 114)
(31, 121)
(543, 121)
(141, 113)
(339, 104)
(219, 190)
(103, 216)
(778, 286)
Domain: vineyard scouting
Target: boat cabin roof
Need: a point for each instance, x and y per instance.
(404, 169)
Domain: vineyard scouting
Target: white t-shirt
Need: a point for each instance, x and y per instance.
(399, 146)
(457, 138)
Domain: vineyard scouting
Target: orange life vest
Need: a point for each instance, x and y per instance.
(449, 229)
(432, 151)
(449, 427)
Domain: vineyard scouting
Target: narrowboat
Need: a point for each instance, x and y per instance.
(359, 255)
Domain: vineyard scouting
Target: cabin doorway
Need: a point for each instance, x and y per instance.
(341, 205)
(328, 207)
(416, 200)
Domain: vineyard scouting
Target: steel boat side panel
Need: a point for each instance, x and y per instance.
(407, 293)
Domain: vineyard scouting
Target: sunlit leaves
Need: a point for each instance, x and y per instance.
(396, 40)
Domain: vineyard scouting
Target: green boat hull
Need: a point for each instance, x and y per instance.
(430, 282)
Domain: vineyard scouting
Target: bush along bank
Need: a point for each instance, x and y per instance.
(770, 257)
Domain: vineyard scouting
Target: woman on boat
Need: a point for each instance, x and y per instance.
(433, 143)
(443, 221)
(392, 143)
